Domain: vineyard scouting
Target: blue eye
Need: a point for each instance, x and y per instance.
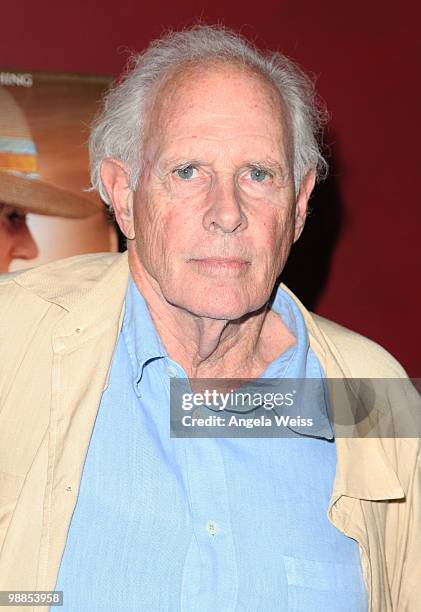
(258, 174)
(186, 173)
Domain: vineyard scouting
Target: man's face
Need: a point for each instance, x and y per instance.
(215, 212)
(16, 241)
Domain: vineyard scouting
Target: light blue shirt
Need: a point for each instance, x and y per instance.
(203, 524)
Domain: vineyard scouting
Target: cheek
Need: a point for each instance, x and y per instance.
(5, 248)
(4, 252)
(160, 236)
(272, 243)
(170, 227)
(275, 233)
(147, 232)
(147, 215)
(7, 237)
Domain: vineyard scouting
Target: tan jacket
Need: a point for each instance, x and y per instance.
(58, 328)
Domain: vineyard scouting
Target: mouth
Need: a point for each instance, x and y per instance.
(221, 265)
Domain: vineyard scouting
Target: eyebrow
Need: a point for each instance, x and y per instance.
(268, 164)
(166, 164)
(181, 161)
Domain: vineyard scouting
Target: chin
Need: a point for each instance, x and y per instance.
(213, 304)
(218, 313)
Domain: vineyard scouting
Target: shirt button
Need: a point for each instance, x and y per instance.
(212, 528)
(172, 371)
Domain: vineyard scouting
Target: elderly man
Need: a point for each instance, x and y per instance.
(207, 153)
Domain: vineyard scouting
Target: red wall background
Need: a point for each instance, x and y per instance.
(360, 258)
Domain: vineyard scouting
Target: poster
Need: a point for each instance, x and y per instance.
(46, 212)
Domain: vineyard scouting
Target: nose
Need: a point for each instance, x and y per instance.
(24, 246)
(225, 212)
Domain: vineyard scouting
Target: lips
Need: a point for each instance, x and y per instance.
(218, 265)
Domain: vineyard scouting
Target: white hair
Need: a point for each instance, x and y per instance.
(118, 129)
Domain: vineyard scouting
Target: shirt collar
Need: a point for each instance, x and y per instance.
(142, 340)
(144, 345)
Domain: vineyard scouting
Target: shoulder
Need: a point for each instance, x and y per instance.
(356, 355)
(56, 280)
(363, 357)
(80, 264)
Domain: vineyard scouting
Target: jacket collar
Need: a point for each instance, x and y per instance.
(70, 282)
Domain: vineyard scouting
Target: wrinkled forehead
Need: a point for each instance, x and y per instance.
(200, 97)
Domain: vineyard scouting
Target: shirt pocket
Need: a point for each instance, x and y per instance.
(324, 586)
(10, 487)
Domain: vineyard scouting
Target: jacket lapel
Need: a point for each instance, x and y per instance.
(363, 468)
(83, 343)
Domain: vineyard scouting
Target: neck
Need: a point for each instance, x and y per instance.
(214, 348)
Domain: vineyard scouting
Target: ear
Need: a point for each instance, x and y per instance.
(301, 205)
(115, 178)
